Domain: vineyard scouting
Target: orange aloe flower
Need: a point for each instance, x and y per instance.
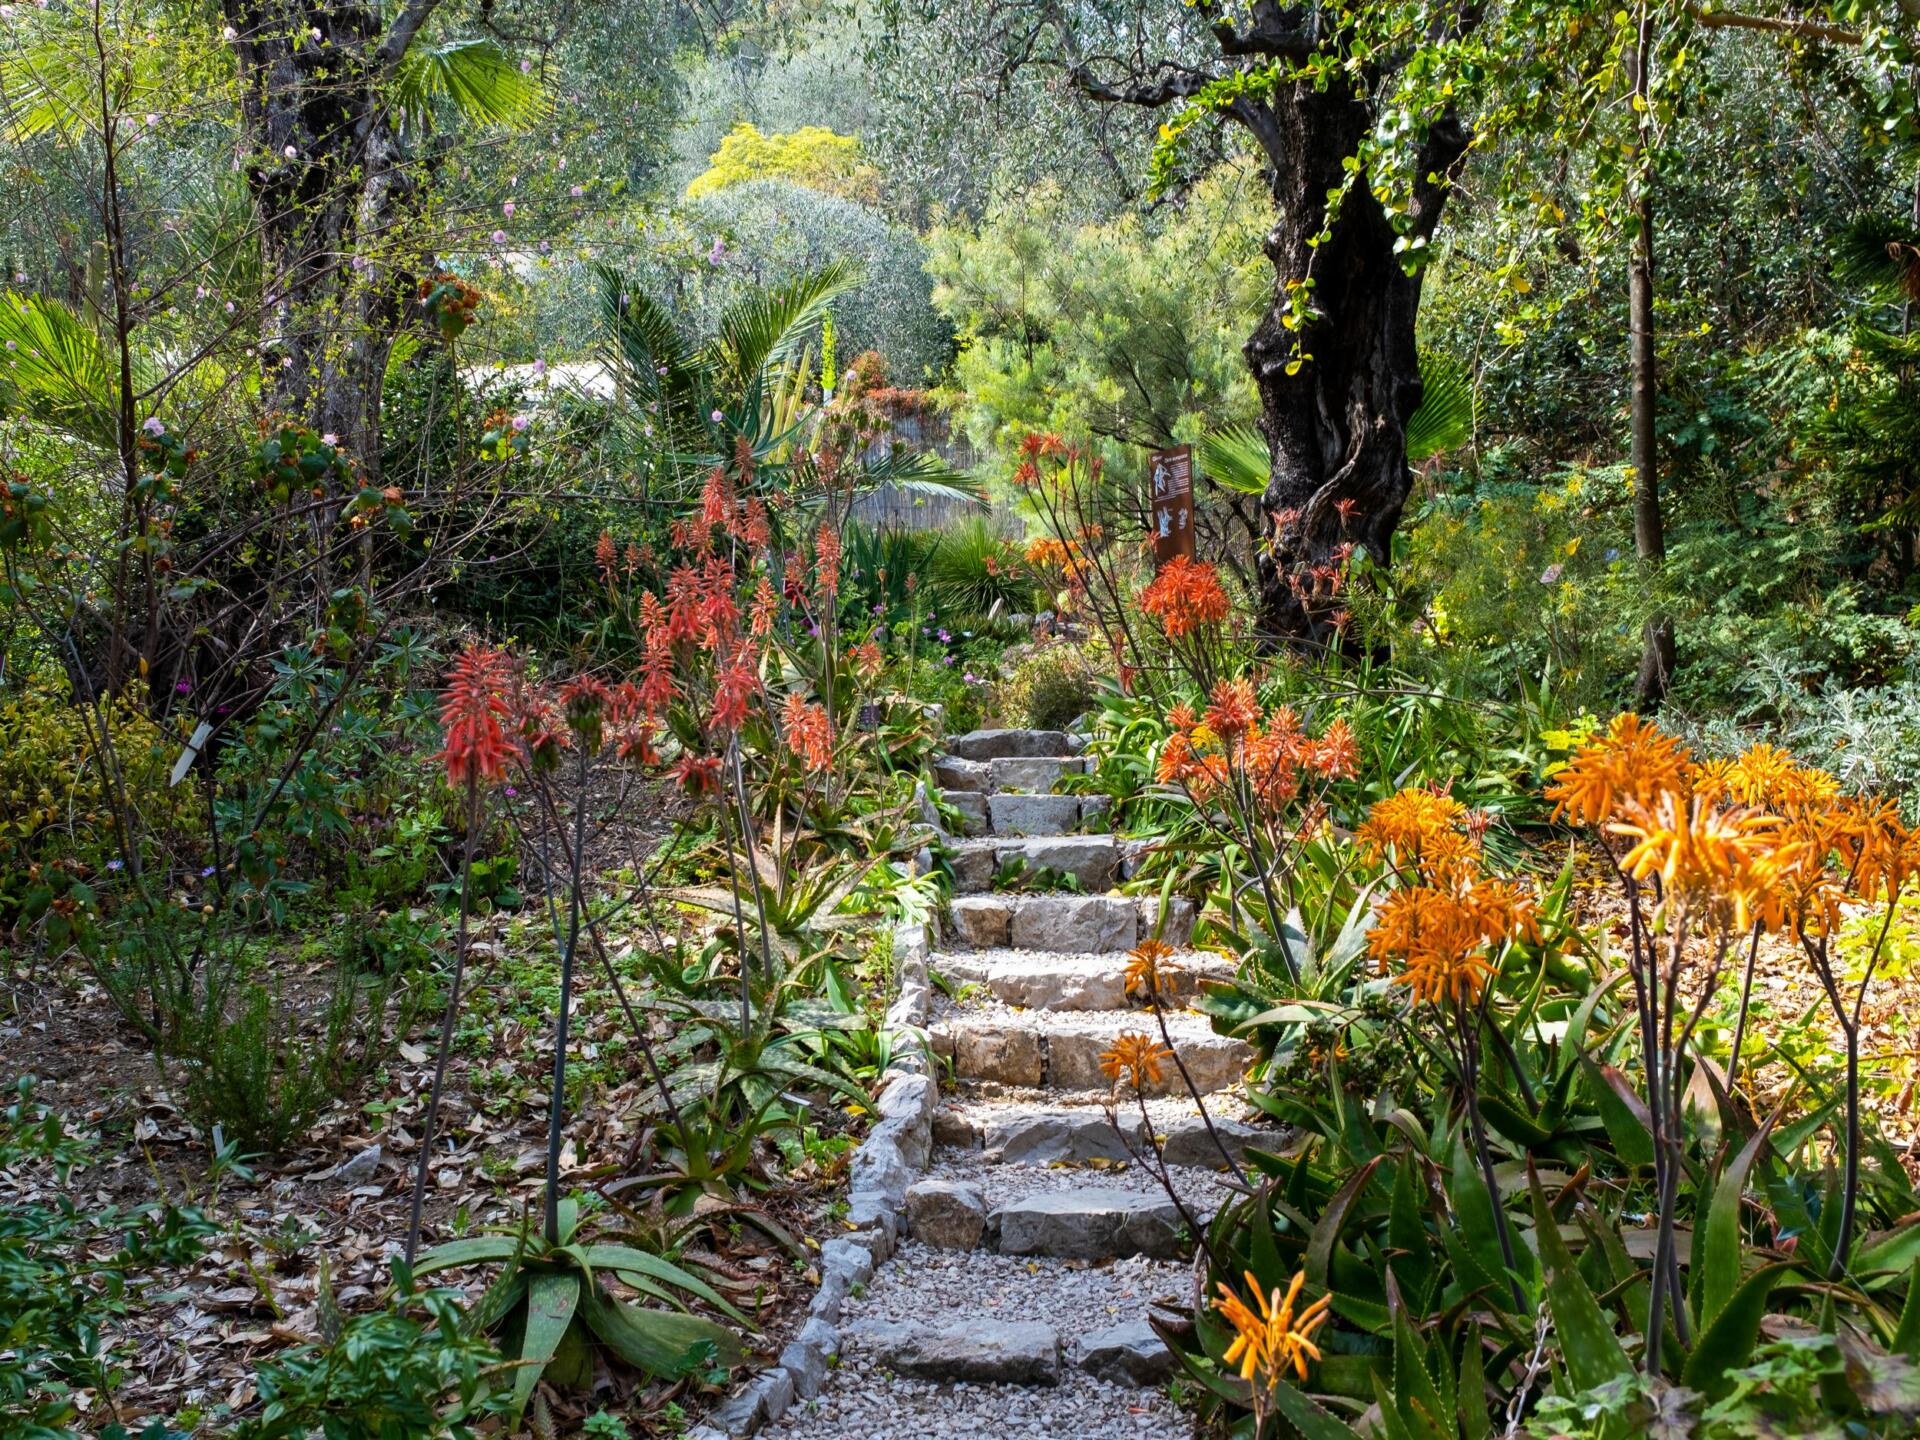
(1151, 970)
(1272, 1339)
(1137, 1057)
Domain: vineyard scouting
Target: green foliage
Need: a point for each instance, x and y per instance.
(974, 572)
(1123, 330)
(388, 1375)
(69, 1273)
(475, 78)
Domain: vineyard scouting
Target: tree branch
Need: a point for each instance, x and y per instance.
(406, 25)
(1791, 26)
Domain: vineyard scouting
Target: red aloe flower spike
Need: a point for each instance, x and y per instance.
(472, 712)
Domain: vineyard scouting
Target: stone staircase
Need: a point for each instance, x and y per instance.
(1017, 1301)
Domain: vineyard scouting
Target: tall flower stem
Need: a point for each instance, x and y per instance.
(447, 1021)
(556, 1110)
(1467, 1026)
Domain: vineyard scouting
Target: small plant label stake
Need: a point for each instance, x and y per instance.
(195, 744)
(1171, 479)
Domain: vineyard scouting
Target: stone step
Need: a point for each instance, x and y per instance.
(1037, 774)
(1023, 815)
(976, 1351)
(1043, 980)
(1067, 923)
(1060, 1051)
(1066, 1134)
(1013, 745)
(1093, 860)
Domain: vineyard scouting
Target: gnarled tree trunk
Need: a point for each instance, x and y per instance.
(327, 176)
(1336, 393)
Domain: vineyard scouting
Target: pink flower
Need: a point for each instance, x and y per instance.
(717, 417)
(499, 237)
(519, 423)
(330, 438)
(507, 208)
(577, 192)
(154, 426)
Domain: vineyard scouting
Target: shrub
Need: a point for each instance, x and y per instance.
(1050, 687)
(973, 569)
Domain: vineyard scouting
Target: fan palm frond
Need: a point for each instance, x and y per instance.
(475, 76)
(55, 371)
(1236, 458)
(766, 327)
(1445, 417)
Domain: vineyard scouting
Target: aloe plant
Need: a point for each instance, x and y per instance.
(550, 1309)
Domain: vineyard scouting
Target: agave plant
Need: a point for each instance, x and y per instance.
(550, 1308)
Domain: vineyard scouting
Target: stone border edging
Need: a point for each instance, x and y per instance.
(894, 1152)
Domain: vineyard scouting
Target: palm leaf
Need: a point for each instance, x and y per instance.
(1446, 415)
(54, 370)
(1237, 458)
(920, 473)
(763, 329)
(474, 76)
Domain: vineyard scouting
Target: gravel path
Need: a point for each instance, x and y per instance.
(863, 1401)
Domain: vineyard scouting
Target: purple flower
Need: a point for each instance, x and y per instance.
(154, 426)
(511, 792)
(578, 192)
(945, 637)
(116, 864)
(506, 208)
(519, 423)
(499, 237)
(183, 687)
(206, 872)
(946, 659)
(717, 417)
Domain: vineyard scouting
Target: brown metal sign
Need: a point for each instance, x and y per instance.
(1170, 487)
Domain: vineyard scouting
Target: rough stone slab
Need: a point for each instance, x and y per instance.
(1008, 744)
(1005, 1054)
(1216, 1062)
(954, 773)
(974, 863)
(1177, 930)
(762, 1400)
(955, 1130)
(1034, 774)
(982, 921)
(879, 1166)
(979, 1351)
(1033, 814)
(1090, 1224)
(1188, 1142)
(872, 1210)
(1051, 1137)
(1074, 923)
(1094, 808)
(1044, 980)
(1125, 1354)
(806, 1357)
(852, 1260)
(946, 1214)
(972, 807)
(1090, 859)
